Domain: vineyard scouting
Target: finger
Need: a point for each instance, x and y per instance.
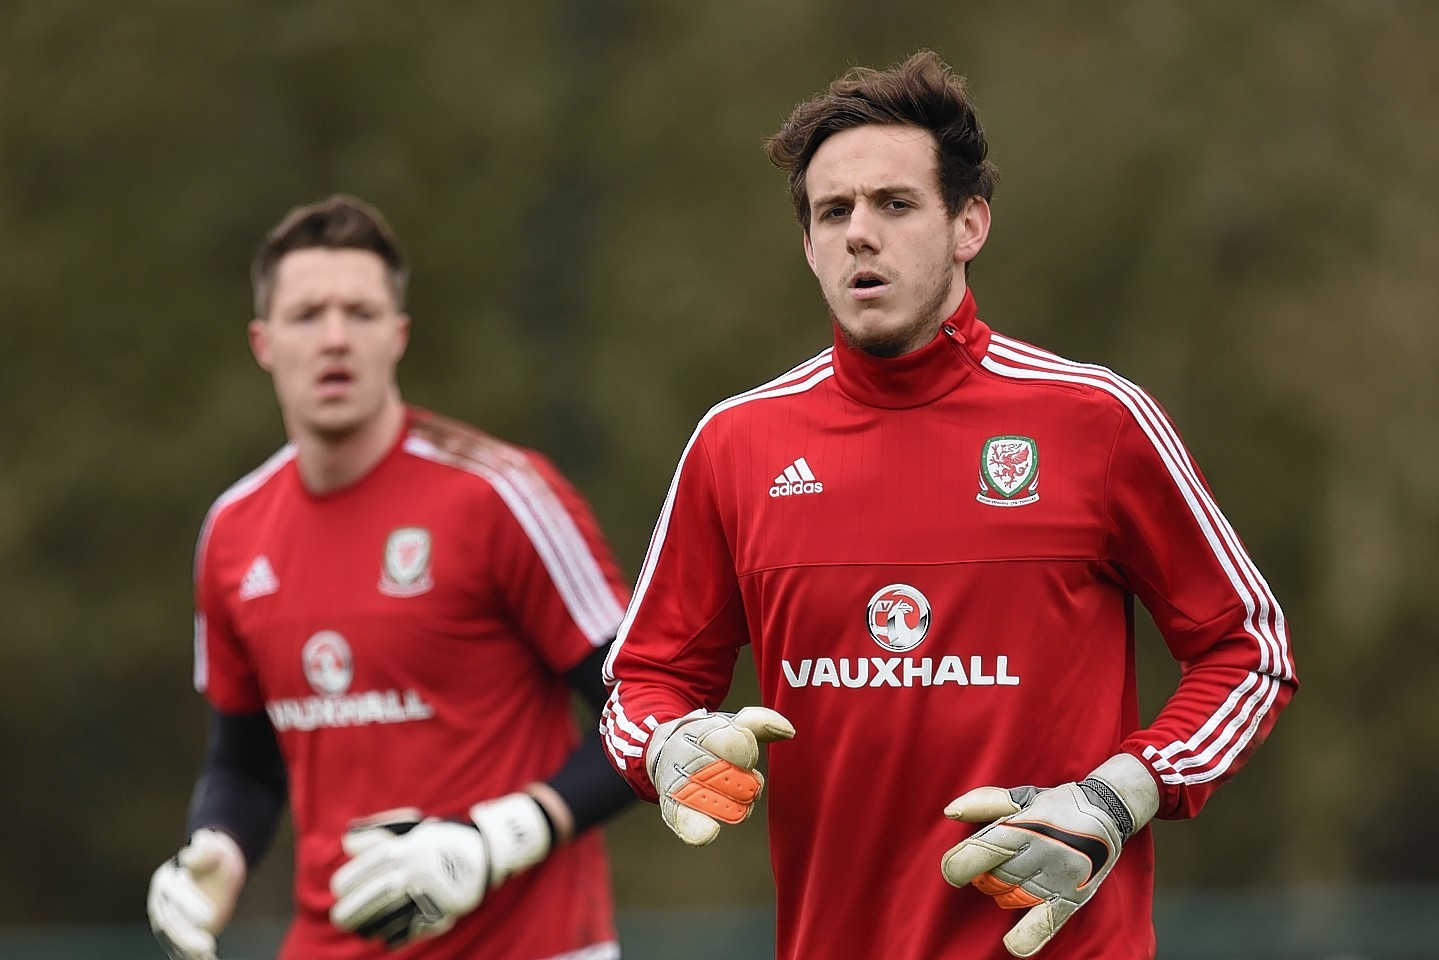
(372, 854)
(691, 826)
(360, 871)
(376, 895)
(731, 743)
(361, 841)
(1036, 927)
(982, 805)
(180, 935)
(396, 820)
(176, 950)
(767, 725)
(962, 863)
(184, 899)
(392, 925)
(721, 790)
(198, 858)
(1007, 895)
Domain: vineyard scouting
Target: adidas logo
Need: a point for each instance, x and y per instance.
(797, 478)
(259, 579)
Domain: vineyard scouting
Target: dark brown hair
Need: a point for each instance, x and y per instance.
(341, 222)
(922, 92)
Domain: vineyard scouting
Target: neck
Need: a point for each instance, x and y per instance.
(920, 376)
(330, 462)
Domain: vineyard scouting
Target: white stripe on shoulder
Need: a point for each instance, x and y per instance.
(237, 491)
(1239, 716)
(256, 478)
(241, 489)
(567, 556)
(1265, 621)
(801, 379)
(605, 950)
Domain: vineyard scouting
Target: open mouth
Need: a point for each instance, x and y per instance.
(335, 381)
(867, 286)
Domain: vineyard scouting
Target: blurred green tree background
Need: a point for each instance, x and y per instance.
(1233, 204)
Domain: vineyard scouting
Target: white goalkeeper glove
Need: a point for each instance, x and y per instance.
(1049, 849)
(192, 895)
(409, 878)
(703, 768)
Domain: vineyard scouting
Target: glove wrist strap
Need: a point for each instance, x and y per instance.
(662, 733)
(516, 832)
(1124, 786)
(1103, 796)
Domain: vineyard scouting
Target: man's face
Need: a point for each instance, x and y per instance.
(331, 341)
(889, 258)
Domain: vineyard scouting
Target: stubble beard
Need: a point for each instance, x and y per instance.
(908, 337)
(332, 430)
(334, 435)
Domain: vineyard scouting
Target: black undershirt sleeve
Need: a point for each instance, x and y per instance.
(242, 785)
(587, 783)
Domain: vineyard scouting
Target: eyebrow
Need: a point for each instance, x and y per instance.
(883, 190)
(344, 302)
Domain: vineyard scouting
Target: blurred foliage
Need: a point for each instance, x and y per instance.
(1232, 204)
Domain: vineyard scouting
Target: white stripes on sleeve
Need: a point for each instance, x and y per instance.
(798, 380)
(1223, 736)
(562, 548)
(623, 738)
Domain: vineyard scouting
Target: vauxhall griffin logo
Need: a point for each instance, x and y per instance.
(327, 663)
(329, 666)
(898, 620)
(898, 617)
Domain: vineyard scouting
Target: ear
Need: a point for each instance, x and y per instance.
(402, 336)
(971, 229)
(258, 332)
(809, 254)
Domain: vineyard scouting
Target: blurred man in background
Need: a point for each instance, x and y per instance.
(932, 535)
(392, 613)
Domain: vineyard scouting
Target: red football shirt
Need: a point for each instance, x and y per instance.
(935, 559)
(408, 637)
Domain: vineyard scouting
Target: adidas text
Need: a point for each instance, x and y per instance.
(795, 489)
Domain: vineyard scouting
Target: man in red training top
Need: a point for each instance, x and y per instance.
(932, 536)
(392, 613)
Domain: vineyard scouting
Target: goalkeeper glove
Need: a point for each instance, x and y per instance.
(192, 895)
(1049, 850)
(702, 766)
(409, 879)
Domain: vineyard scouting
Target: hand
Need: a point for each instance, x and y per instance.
(192, 895)
(1049, 850)
(409, 878)
(702, 766)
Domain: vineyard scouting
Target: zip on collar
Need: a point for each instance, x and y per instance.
(920, 376)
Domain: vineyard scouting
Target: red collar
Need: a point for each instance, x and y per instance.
(916, 378)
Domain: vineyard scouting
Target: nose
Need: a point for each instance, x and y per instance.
(862, 234)
(335, 332)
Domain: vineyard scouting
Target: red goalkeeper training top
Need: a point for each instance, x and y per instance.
(935, 560)
(408, 637)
